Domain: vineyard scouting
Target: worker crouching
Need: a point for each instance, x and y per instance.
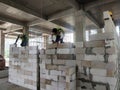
(57, 35)
(24, 39)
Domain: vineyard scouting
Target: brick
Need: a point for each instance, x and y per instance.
(111, 50)
(65, 51)
(94, 57)
(70, 71)
(110, 43)
(62, 68)
(80, 56)
(62, 57)
(109, 80)
(100, 43)
(70, 63)
(80, 50)
(79, 44)
(98, 64)
(51, 67)
(111, 73)
(62, 45)
(42, 52)
(101, 87)
(55, 72)
(98, 72)
(59, 62)
(86, 63)
(51, 51)
(90, 50)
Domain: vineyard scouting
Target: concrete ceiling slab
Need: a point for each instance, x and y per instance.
(15, 13)
(45, 7)
(51, 7)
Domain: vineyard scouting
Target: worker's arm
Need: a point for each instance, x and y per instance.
(17, 39)
(53, 37)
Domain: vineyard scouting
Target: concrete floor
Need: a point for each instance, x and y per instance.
(5, 85)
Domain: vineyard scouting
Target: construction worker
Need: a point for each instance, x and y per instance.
(57, 35)
(24, 39)
(111, 14)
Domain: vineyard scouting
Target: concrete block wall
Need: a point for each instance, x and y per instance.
(23, 67)
(58, 68)
(97, 62)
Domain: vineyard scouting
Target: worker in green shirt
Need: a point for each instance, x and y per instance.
(57, 35)
(24, 39)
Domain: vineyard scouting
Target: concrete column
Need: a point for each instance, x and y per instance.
(119, 31)
(2, 43)
(45, 41)
(80, 26)
(88, 35)
(99, 30)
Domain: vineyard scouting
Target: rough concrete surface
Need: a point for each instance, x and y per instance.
(5, 85)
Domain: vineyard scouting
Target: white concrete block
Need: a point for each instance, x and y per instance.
(51, 51)
(98, 72)
(95, 43)
(101, 87)
(62, 68)
(110, 80)
(80, 57)
(55, 72)
(94, 57)
(70, 63)
(102, 36)
(66, 51)
(58, 62)
(79, 44)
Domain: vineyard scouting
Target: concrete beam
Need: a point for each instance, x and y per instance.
(31, 32)
(10, 36)
(53, 18)
(29, 11)
(3, 29)
(63, 24)
(97, 3)
(56, 22)
(93, 19)
(74, 4)
(35, 33)
(13, 29)
(9, 19)
(36, 29)
(36, 22)
(61, 14)
(13, 3)
(40, 29)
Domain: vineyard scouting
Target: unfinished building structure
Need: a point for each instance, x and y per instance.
(91, 62)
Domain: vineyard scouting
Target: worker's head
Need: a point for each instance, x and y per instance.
(54, 30)
(110, 13)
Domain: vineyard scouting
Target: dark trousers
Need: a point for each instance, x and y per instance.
(24, 43)
(58, 39)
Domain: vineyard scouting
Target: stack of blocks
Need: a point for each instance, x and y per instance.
(23, 66)
(58, 67)
(97, 62)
